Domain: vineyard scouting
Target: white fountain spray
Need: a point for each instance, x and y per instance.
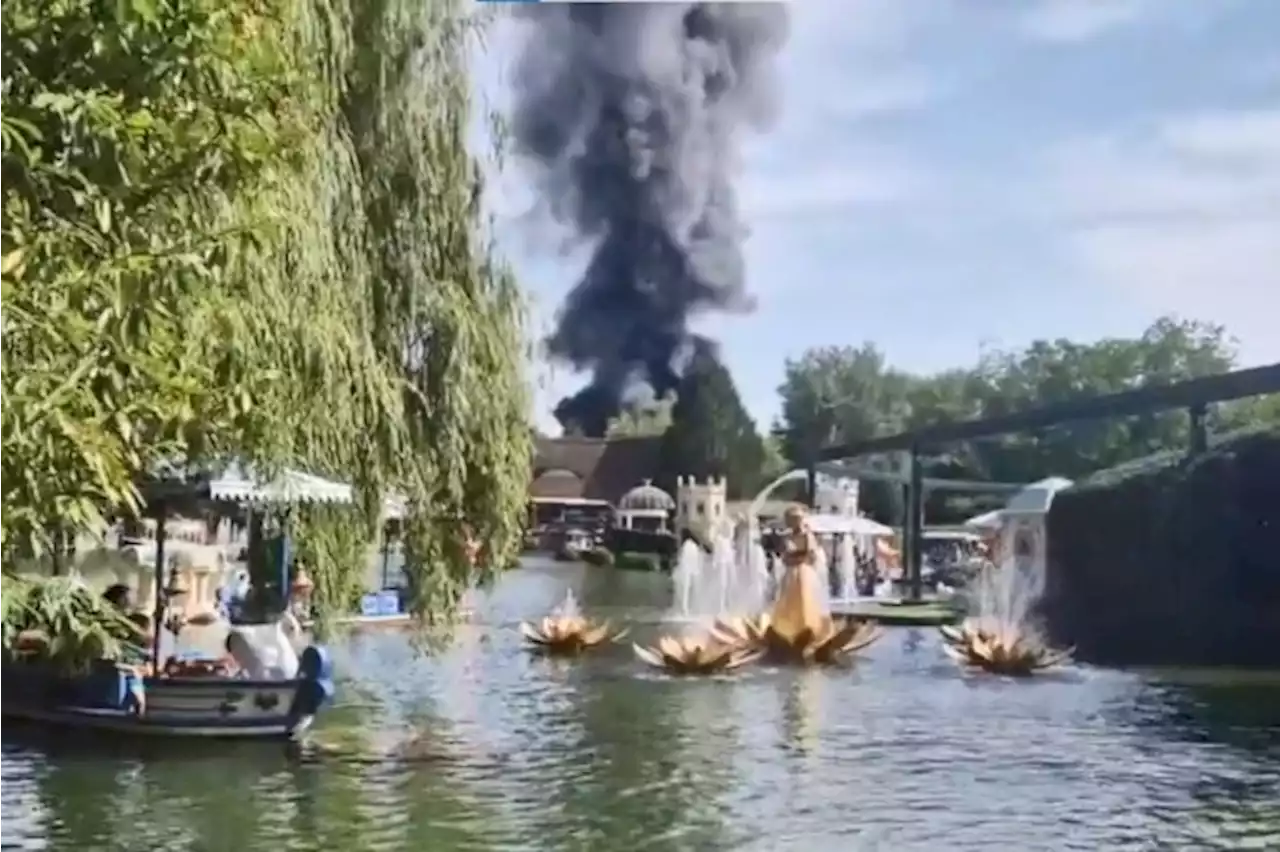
(732, 578)
(567, 608)
(847, 567)
(1003, 597)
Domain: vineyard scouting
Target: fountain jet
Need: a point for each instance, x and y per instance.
(566, 631)
(1002, 636)
(732, 578)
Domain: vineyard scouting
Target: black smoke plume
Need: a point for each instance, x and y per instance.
(632, 116)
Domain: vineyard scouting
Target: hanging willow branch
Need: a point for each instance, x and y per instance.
(308, 281)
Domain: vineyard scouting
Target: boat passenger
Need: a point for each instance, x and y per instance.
(119, 596)
(265, 651)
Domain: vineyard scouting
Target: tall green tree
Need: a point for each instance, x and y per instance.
(840, 393)
(126, 130)
(254, 228)
(711, 433)
(832, 396)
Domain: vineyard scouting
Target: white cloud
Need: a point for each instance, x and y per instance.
(1182, 217)
(1076, 21)
(847, 65)
(1251, 135)
(825, 188)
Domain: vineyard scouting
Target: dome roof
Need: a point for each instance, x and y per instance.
(647, 496)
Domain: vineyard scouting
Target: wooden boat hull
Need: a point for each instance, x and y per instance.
(116, 701)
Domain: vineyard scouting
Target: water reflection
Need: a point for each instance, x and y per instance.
(484, 747)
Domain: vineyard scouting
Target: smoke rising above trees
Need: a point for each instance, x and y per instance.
(630, 117)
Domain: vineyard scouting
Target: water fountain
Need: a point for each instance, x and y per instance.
(846, 568)
(1005, 595)
(796, 629)
(566, 631)
(732, 578)
(1002, 634)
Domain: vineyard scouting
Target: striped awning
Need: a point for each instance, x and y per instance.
(236, 485)
(235, 482)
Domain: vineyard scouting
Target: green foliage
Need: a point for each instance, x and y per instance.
(125, 130)
(255, 229)
(334, 547)
(1171, 537)
(598, 556)
(840, 395)
(651, 562)
(775, 460)
(711, 434)
(58, 620)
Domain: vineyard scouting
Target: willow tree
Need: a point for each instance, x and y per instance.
(410, 332)
(126, 131)
(313, 286)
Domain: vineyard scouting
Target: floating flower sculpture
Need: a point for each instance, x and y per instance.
(999, 648)
(568, 634)
(825, 641)
(700, 655)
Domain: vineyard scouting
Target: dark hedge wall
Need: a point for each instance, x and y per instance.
(1173, 563)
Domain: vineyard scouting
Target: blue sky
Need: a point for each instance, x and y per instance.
(948, 175)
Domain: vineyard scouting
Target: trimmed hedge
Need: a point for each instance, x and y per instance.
(1173, 562)
(598, 556)
(639, 562)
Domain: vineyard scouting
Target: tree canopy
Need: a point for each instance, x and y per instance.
(711, 433)
(839, 395)
(254, 229)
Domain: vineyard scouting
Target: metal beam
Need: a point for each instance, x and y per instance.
(930, 483)
(1227, 386)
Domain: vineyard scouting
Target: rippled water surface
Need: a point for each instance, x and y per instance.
(479, 746)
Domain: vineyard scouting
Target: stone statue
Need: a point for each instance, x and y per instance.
(798, 606)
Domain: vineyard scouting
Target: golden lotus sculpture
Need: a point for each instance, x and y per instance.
(823, 641)
(568, 634)
(999, 648)
(701, 655)
(567, 631)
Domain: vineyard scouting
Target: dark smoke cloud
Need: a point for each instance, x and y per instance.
(632, 114)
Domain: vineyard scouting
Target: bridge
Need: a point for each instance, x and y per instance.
(1194, 395)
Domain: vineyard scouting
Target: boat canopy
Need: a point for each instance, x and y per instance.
(236, 482)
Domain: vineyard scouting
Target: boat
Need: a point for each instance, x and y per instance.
(118, 699)
(573, 543)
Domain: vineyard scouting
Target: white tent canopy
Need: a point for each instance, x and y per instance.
(236, 482)
(237, 485)
(1036, 498)
(843, 524)
(985, 521)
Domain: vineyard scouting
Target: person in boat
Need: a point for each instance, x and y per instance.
(121, 598)
(798, 605)
(265, 651)
(261, 633)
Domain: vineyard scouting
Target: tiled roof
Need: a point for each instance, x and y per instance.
(606, 468)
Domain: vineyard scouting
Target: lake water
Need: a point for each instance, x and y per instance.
(471, 744)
